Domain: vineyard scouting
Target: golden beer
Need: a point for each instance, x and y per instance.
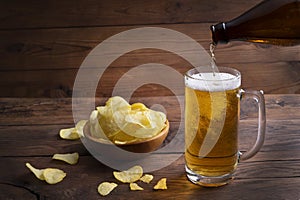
(211, 125)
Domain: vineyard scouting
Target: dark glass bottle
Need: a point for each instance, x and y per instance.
(271, 21)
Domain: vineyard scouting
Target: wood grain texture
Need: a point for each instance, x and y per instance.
(37, 111)
(17, 14)
(29, 133)
(42, 45)
(91, 173)
(29, 140)
(276, 78)
(67, 47)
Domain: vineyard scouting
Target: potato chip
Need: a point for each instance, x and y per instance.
(95, 128)
(123, 138)
(117, 103)
(147, 178)
(50, 175)
(69, 134)
(161, 184)
(37, 172)
(53, 176)
(145, 124)
(138, 106)
(111, 115)
(105, 188)
(79, 127)
(129, 176)
(70, 158)
(135, 186)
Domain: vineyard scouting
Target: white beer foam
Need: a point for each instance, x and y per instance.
(213, 82)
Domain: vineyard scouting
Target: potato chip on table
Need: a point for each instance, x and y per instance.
(69, 134)
(50, 175)
(53, 176)
(37, 172)
(73, 133)
(161, 184)
(147, 178)
(106, 187)
(135, 186)
(70, 158)
(129, 176)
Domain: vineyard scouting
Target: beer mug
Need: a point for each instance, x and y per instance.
(212, 110)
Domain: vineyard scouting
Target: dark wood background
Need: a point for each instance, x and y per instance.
(43, 43)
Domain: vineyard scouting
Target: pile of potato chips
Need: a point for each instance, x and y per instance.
(120, 122)
(124, 123)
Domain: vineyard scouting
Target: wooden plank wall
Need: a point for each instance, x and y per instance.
(43, 43)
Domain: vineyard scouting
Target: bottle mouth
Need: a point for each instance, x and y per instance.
(219, 33)
(213, 30)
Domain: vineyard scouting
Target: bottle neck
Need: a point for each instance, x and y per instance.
(272, 21)
(219, 34)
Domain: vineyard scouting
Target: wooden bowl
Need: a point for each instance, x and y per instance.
(144, 146)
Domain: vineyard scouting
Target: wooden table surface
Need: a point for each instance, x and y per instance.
(29, 133)
(42, 47)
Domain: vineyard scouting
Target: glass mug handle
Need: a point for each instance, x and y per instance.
(258, 96)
